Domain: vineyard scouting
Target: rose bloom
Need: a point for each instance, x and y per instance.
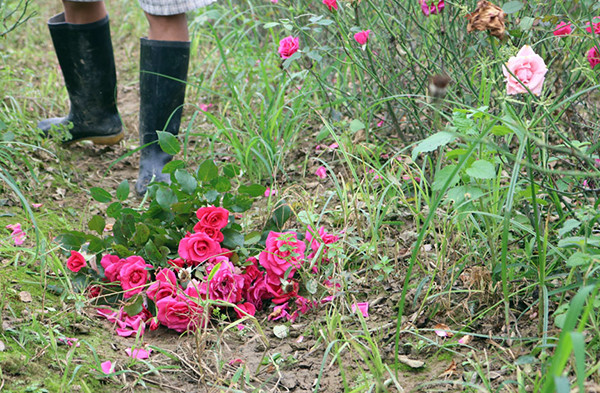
(180, 313)
(321, 172)
(288, 46)
(331, 4)
(214, 217)
(112, 265)
(593, 56)
(282, 251)
(280, 292)
(257, 293)
(134, 275)
(225, 284)
(315, 241)
(529, 68)
(362, 36)
(164, 286)
(432, 8)
(212, 232)
(563, 29)
(198, 248)
(595, 26)
(75, 262)
(248, 308)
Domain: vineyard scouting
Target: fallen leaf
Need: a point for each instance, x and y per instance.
(410, 362)
(450, 370)
(281, 331)
(25, 297)
(442, 330)
(465, 340)
(2, 346)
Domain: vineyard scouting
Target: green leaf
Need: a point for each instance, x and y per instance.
(526, 23)
(254, 190)
(270, 25)
(152, 253)
(482, 169)
(96, 245)
(123, 190)
(100, 194)
(442, 176)
(579, 259)
(252, 238)
(97, 224)
(568, 226)
(142, 233)
(312, 285)
(172, 166)
(431, 143)
(187, 182)
(501, 130)
(165, 198)
(135, 305)
(232, 239)
(221, 184)
(114, 209)
(356, 125)
(207, 171)
(313, 54)
(291, 59)
(71, 240)
(121, 250)
(512, 6)
(231, 170)
(168, 142)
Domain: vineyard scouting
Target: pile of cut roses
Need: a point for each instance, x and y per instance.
(206, 276)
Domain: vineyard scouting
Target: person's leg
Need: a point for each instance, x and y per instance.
(80, 13)
(164, 58)
(81, 38)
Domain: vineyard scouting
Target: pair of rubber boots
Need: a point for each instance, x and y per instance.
(85, 55)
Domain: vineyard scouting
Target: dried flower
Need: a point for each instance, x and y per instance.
(487, 16)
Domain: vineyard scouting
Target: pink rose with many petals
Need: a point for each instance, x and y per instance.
(331, 4)
(593, 56)
(283, 251)
(225, 284)
(198, 247)
(529, 68)
(164, 286)
(595, 25)
(112, 265)
(257, 293)
(75, 262)
(180, 313)
(214, 217)
(563, 29)
(315, 239)
(288, 46)
(362, 36)
(212, 232)
(134, 275)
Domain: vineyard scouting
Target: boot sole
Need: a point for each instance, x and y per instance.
(100, 140)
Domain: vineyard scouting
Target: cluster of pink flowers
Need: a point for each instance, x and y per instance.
(593, 54)
(17, 234)
(183, 303)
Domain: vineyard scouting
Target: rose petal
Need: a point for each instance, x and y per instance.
(362, 307)
(138, 353)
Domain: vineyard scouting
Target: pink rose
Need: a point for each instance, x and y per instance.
(164, 286)
(595, 25)
(75, 262)
(242, 309)
(563, 29)
(112, 267)
(212, 232)
(225, 284)
(282, 252)
(593, 56)
(198, 248)
(315, 239)
(214, 217)
(257, 293)
(331, 4)
(180, 313)
(362, 36)
(288, 46)
(134, 275)
(529, 68)
(432, 8)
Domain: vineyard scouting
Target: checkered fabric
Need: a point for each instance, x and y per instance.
(166, 7)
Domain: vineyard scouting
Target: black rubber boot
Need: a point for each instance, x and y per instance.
(163, 72)
(87, 62)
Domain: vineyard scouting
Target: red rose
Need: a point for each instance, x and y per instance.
(179, 314)
(134, 275)
(212, 232)
(198, 247)
(75, 262)
(214, 217)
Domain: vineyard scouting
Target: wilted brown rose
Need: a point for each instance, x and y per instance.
(487, 16)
